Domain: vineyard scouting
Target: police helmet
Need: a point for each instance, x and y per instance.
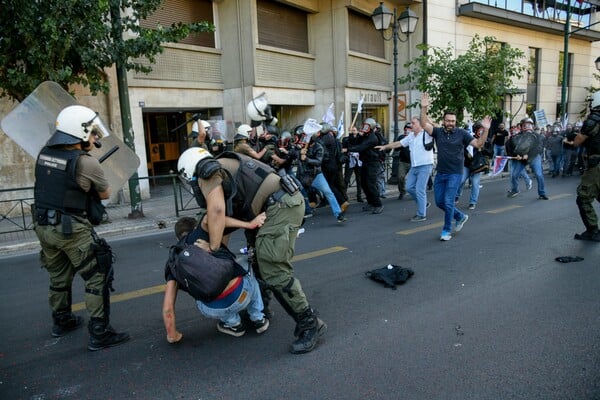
(526, 121)
(272, 130)
(242, 132)
(75, 124)
(369, 125)
(285, 138)
(325, 127)
(188, 160)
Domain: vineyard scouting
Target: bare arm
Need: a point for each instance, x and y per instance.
(257, 222)
(215, 216)
(173, 336)
(426, 122)
(389, 146)
(486, 123)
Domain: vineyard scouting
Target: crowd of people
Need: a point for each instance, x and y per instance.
(267, 186)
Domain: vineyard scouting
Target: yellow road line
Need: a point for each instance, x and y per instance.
(161, 288)
(499, 210)
(560, 196)
(318, 253)
(421, 229)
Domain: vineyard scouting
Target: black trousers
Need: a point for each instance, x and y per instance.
(368, 177)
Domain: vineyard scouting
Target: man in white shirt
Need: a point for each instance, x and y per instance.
(421, 164)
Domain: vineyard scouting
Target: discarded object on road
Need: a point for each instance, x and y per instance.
(391, 275)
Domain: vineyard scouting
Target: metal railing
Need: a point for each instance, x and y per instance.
(16, 214)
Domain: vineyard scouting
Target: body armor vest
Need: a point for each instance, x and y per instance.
(245, 182)
(55, 184)
(591, 129)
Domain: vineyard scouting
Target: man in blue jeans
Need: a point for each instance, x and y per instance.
(526, 147)
(450, 142)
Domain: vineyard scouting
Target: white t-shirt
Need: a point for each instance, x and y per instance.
(418, 155)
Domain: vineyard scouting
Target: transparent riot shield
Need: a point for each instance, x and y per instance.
(32, 123)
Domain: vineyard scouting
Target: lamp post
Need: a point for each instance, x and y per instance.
(406, 24)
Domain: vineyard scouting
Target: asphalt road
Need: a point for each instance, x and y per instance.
(487, 315)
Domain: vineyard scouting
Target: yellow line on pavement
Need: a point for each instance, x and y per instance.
(421, 229)
(318, 253)
(560, 196)
(499, 210)
(161, 288)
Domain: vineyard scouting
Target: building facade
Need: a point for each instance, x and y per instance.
(307, 54)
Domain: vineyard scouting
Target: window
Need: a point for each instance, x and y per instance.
(532, 67)
(282, 26)
(186, 11)
(363, 36)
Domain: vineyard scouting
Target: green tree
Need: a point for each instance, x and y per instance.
(72, 42)
(474, 82)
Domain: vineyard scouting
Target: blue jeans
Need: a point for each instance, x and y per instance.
(516, 169)
(556, 163)
(251, 301)
(445, 187)
(416, 186)
(498, 151)
(475, 180)
(321, 183)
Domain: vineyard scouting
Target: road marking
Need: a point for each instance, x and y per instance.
(560, 196)
(420, 229)
(499, 210)
(318, 253)
(161, 288)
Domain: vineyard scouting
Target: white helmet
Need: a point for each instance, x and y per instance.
(75, 124)
(186, 165)
(595, 100)
(256, 108)
(242, 132)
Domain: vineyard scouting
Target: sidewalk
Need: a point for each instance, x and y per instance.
(159, 215)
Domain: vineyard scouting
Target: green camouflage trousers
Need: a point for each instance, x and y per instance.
(588, 191)
(275, 246)
(60, 255)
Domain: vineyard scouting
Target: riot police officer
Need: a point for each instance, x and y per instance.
(589, 188)
(235, 188)
(69, 184)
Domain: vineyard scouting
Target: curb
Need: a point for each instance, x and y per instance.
(107, 231)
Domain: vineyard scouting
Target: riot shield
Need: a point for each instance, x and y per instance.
(32, 123)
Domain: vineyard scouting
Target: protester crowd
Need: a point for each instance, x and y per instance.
(267, 186)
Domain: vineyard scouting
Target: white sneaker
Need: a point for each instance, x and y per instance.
(461, 223)
(529, 185)
(445, 236)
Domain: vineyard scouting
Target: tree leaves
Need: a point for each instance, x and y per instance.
(73, 41)
(472, 82)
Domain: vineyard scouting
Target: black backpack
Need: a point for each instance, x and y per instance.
(202, 274)
(391, 275)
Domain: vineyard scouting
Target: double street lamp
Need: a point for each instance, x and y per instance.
(405, 24)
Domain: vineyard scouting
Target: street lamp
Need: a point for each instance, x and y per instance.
(406, 24)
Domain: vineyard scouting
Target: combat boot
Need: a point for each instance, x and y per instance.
(65, 322)
(308, 330)
(102, 335)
